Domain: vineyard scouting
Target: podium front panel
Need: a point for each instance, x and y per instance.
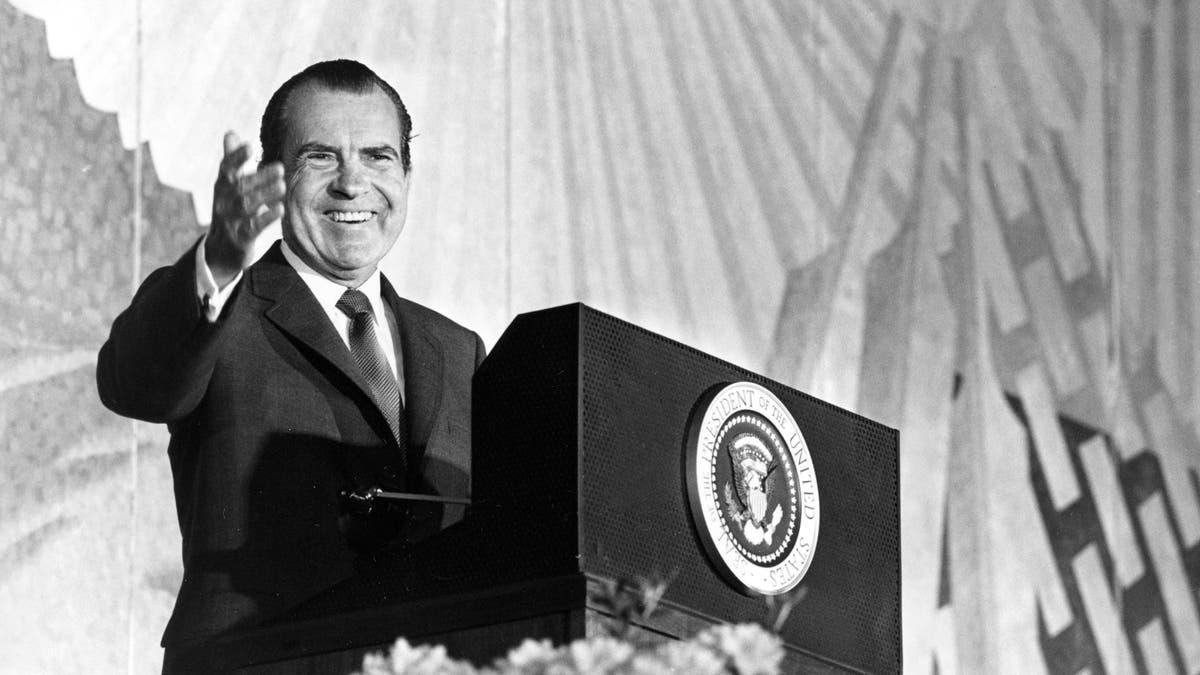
(586, 415)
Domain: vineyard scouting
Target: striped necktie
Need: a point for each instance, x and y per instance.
(364, 347)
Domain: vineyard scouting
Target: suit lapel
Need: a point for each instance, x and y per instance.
(423, 363)
(296, 312)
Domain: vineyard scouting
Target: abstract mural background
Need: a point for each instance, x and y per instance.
(978, 222)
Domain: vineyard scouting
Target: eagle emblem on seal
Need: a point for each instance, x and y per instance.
(748, 493)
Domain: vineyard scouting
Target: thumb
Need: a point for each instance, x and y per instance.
(232, 142)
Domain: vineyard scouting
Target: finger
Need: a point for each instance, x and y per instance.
(247, 228)
(273, 191)
(231, 164)
(234, 159)
(261, 192)
(267, 175)
(267, 216)
(272, 170)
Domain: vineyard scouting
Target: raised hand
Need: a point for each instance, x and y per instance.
(244, 204)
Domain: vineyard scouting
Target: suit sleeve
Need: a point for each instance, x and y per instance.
(160, 353)
(480, 350)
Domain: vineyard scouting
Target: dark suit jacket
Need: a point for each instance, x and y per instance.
(269, 420)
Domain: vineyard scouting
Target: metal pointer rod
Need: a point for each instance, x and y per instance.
(380, 493)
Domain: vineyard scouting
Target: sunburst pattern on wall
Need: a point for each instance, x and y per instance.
(976, 222)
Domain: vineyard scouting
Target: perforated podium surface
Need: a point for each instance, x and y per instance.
(585, 415)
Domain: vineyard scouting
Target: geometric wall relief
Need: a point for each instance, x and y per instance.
(1130, 580)
(86, 576)
(68, 211)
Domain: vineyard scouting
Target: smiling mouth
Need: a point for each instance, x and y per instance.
(350, 216)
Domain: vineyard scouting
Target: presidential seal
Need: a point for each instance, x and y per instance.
(752, 488)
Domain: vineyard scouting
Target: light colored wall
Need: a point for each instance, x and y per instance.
(910, 209)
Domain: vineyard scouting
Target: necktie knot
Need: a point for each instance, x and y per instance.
(353, 303)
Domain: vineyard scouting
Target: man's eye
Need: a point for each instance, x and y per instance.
(320, 159)
(381, 158)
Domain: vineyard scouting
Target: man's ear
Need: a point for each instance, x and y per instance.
(408, 179)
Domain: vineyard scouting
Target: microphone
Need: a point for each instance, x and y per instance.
(363, 502)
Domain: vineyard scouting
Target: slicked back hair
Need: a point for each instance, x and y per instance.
(340, 75)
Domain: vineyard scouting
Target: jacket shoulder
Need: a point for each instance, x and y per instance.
(430, 318)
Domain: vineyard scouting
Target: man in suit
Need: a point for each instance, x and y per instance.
(290, 380)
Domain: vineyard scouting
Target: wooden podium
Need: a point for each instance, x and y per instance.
(578, 477)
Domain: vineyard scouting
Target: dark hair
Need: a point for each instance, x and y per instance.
(340, 75)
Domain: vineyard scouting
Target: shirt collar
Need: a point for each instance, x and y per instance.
(328, 291)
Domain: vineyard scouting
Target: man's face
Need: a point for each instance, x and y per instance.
(347, 195)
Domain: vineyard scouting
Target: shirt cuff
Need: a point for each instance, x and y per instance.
(212, 298)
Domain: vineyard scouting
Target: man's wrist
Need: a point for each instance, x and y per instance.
(213, 287)
(217, 260)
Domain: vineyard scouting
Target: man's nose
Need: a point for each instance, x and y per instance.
(351, 180)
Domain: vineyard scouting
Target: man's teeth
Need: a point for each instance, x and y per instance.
(350, 216)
